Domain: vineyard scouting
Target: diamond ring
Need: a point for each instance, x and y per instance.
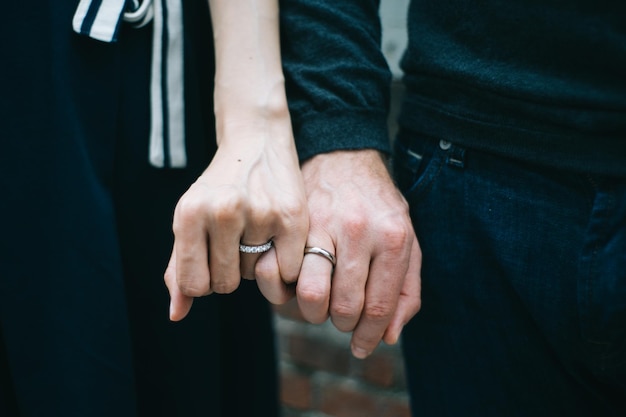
(256, 248)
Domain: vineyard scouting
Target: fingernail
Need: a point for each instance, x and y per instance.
(398, 334)
(393, 340)
(359, 353)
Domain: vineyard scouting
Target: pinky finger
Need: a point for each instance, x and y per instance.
(410, 300)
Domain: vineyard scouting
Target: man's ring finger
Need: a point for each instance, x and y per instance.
(322, 252)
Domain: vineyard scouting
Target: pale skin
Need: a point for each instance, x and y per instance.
(254, 190)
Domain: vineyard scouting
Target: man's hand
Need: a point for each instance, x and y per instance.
(357, 213)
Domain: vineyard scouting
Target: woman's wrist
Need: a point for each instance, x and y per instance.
(254, 126)
(264, 99)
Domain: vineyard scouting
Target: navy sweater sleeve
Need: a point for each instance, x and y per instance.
(336, 77)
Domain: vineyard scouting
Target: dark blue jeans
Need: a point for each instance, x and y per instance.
(524, 286)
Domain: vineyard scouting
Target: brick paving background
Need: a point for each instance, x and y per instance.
(319, 376)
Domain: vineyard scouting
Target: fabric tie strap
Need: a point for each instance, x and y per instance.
(101, 20)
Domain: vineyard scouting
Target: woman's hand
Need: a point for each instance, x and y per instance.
(251, 193)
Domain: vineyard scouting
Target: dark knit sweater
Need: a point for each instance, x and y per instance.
(537, 80)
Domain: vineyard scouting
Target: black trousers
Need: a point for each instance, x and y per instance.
(84, 326)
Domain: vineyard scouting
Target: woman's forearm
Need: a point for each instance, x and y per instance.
(249, 82)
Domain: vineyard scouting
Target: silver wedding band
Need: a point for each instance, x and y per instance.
(321, 252)
(256, 248)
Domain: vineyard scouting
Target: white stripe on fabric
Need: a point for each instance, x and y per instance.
(169, 85)
(106, 22)
(157, 156)
(175, 90)
(141, 14)
(80, 14)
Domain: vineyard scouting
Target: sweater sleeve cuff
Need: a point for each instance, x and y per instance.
(323, 132)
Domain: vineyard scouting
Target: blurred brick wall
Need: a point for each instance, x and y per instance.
(319, 376)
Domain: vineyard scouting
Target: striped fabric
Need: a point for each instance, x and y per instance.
(101, 20)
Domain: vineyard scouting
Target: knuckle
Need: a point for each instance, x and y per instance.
(187, 212)
(367, 342)
(193, 288)
(294, 209)
(262, 215)
(378, 311)
(396, 238)
(169, 275)
(225, 277)
(202, 203)
(397, 234)
(344, 310)
(294, 217)
(288, 214)
(403, 204)
(227, 208)
(311, 294)
(263, 270)
(343, 325)
(416, 306)
(225, 287)
(355, 226)
(223, 208)
(289, 278)
(279, 298)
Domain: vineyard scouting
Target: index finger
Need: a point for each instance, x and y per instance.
(180, 304)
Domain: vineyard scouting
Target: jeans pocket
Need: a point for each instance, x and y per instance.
(416, 163)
